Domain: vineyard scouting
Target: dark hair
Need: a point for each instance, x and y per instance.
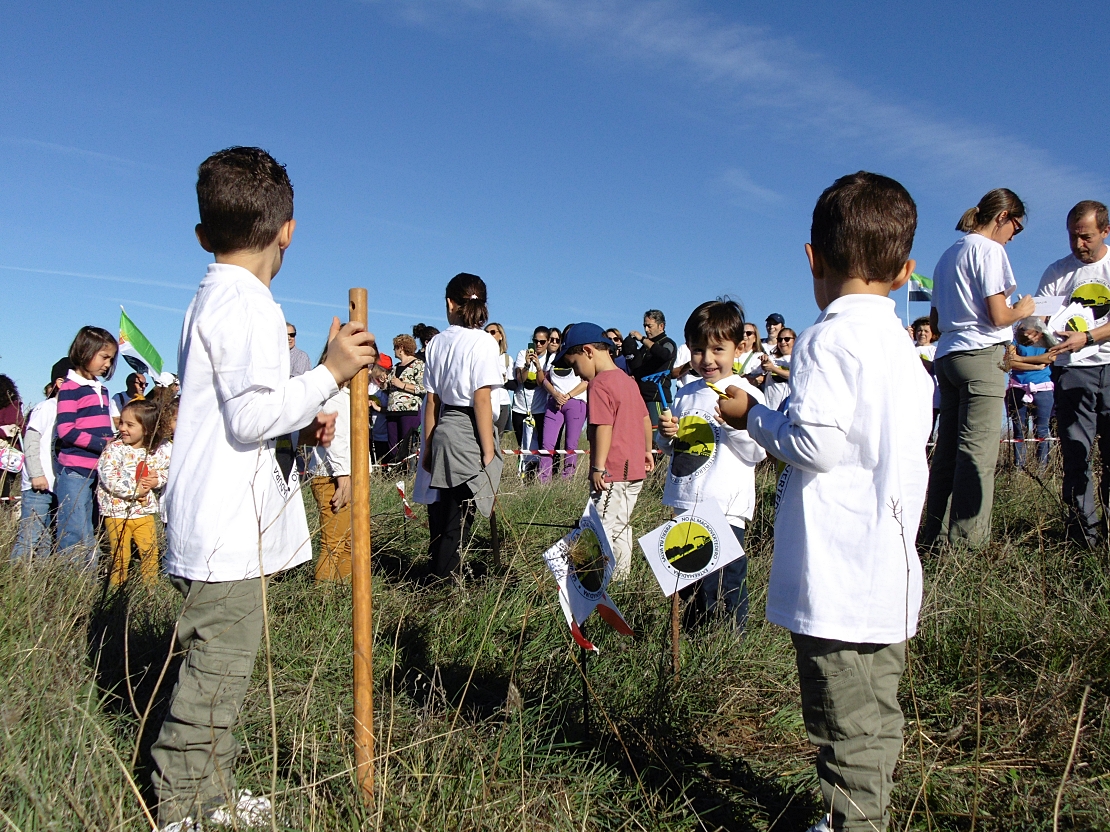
(146, 412)
(87, 343)
(167, 415)
(656, 316)
(990, 206)
(721, 320)
(1090, 206)
(540, 329)
(863, 226)
(9, 393)
(405, 342)
(245, 197)
(468, 292)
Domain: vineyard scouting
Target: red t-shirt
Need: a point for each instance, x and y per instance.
(614, 399)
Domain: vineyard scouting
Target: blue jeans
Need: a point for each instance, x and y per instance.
(76, 536)
(1019, 415)
(728, 588)
(35, 510)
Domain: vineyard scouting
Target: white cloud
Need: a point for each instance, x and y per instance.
(781, 85)
(137, 281)
(740, 182)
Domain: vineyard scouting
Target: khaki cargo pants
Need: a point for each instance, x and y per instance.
(851, 712)
(219, 631)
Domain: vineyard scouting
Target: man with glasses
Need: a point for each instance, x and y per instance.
(1082, 368)
(649, 353)
(299, 362)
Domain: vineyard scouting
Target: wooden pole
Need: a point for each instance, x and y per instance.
(360, 567)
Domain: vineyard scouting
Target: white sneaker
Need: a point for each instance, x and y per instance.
(249, 811)
(823, 825)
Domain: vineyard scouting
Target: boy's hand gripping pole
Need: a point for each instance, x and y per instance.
(360, 566)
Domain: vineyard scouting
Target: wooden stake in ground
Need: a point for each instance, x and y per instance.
(360, 566)
(675, 635)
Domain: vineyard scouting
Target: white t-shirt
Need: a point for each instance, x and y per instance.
(1088, 284)
(682, 356)
(525, 400)
(850, 498)
(41, 419)
(502, 397)
(335, 460)
(564, 380)
(710, 460)
(459, 361)
(775, 388)
(929, 353)
(747, 364)
(232, 471)
(971, 270)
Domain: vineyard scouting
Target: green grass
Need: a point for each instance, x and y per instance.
(478, 691)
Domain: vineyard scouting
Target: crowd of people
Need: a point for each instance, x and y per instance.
(845, 407)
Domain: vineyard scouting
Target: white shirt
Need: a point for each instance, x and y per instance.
(850, 498)
(41, 420)
(502, 397)
(525, 400)
(710, 460)
(682, 357)
(1088, 284)
(227, 479)
(970, 271)
(335, 460)
(565, 380)
(776, 388)
(458, 362)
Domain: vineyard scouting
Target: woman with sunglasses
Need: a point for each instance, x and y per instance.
(748, 363)
(972, 284)
(776, 379)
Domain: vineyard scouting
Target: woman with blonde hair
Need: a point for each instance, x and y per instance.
(503, 397)
(972, 284)
(406, 391)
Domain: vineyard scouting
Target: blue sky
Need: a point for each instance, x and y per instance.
(589, 160)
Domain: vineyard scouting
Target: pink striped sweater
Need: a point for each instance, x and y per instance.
(84, 426)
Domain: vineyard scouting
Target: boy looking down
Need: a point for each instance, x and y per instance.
(845, 579)
(619, 432)
(233, 498)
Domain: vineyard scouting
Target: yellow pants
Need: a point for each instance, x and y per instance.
(334, 563)
(144, 533)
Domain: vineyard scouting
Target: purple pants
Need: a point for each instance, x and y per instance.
(401, 426)
(573, 415)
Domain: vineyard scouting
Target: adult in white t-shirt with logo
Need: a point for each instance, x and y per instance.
(1083, 366)
(972, 284)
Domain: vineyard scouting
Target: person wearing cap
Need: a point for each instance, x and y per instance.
(774, 322)
(619, 432)
(38, 502)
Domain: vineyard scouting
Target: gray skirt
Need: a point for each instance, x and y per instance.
(456, 457)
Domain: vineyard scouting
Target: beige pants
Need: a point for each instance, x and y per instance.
(615, 508)
(334, 563)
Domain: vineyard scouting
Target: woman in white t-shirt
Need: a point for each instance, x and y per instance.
(972, 284)
(460, 441)
(776, 379)
(502, 396)
(566, 408)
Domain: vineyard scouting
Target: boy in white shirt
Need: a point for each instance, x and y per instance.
(709, 459)
(846, 580)
(233, 496)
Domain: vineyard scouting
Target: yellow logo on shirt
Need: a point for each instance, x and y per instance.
(693, 446)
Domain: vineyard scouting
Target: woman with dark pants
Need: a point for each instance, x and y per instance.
(406, 390)
(972, 284)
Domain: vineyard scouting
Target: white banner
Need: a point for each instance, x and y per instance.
(689, 547)
(582, 563)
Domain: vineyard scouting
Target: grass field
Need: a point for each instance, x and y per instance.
(479, 691)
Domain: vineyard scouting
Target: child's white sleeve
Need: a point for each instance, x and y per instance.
(258, 400)
(823, 395)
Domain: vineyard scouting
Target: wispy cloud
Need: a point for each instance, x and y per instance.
(341, 308)
(94, 155)
(781, 85)
(740, 182)
(137, 281)
(145, 305)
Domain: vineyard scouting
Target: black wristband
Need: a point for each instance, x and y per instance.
(602, 471)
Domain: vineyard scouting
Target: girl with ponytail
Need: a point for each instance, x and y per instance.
(460, 450)
(972, 284)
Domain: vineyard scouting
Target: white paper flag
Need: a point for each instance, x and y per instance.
(582, 563)
(689, 547)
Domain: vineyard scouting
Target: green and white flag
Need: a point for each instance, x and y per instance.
(921, 288)
(135, 349)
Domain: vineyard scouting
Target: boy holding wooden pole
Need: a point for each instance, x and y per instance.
(233, 498)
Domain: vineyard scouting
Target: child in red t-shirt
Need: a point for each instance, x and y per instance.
(619, 431)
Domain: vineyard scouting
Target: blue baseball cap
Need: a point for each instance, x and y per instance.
(577, 335)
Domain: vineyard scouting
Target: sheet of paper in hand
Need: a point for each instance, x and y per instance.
(582, 563)
(689, 547)
(1074, 317)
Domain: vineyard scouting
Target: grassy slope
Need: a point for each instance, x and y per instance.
(478, 692)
